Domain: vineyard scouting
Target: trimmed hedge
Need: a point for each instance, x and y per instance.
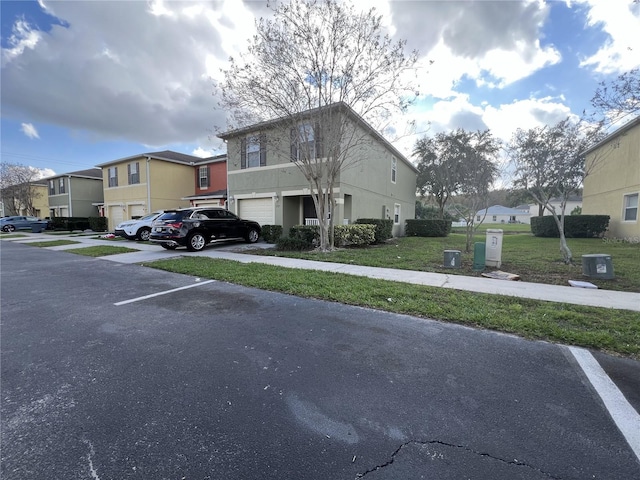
(289, 244)
(575, 226)
(271, 233)
(97, 224)
(428, 228)
(354, 235)
(384, 227)
(309, 234)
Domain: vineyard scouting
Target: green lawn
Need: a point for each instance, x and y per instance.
(101, 250)
(4, 235)
(613, 331)
(534, 259)
(51, 243)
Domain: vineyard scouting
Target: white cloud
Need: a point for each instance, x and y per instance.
(202, 153)
(29, 130)
(620, 20)
(43, 172)
(22, 36)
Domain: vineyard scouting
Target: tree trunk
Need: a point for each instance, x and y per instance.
(567, 256)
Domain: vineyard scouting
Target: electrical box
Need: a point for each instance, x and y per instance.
(493, 247)
(452, 259)
(597, 265)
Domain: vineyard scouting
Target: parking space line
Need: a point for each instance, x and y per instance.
(624, 415)
(124, 302)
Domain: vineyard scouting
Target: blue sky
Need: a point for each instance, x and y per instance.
(86, 82)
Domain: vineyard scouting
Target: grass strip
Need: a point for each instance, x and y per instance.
(51, 243)
(609, 330)
(101, 250)
(12, 235)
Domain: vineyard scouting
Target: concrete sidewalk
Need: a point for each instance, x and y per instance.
(232, 251)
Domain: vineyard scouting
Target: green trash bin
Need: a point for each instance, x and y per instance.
(479, 256)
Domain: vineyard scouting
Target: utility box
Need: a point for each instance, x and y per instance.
(597, 265)
(452, 259)
(478, 256)
(493, 249)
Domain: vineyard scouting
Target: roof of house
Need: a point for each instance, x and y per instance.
(206, 196)
(310, 113)
(623, 129)
(170, 156)
(93, 173)
(500, 210)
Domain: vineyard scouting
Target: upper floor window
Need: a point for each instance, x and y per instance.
(630, 213)
(52, 187)
(305, 143)
(253, 151)
(394, 169)
(133, 172)
(61, 188)
(203, 176)
(113, 176)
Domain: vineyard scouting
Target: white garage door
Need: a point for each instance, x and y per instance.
(257, 209)
(64, 211)
(115, 216)
(137, 211)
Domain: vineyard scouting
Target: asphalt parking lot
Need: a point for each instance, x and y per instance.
(113, 370)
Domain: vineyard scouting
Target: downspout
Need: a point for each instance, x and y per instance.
(70, 204)
(148, 188)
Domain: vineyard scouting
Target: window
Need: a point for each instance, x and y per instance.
(113, 176)
(133, 172)
(630, 213)
(394, 169)
(203, 176)
(494, 218)
(396, 214)
(305, 143)
(52, 187)
(253, 151)
(478, 218)
(61, 185)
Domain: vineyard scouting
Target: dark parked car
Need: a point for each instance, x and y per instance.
(10, 224)
(194, 228)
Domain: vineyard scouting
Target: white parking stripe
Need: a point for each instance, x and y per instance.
(623, 414)
(124, 302)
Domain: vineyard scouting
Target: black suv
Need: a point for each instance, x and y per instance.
(194, 228)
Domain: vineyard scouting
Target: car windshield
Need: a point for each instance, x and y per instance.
(169, 216)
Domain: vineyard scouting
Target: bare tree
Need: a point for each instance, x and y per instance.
(16, 186)
(306, 67)
(617, 100)
(550, 164)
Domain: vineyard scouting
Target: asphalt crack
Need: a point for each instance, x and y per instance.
(463, 447)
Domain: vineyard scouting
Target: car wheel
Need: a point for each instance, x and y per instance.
(143, 234)
(9, 228)
(196, 242)
(252, 236)
(168, 247)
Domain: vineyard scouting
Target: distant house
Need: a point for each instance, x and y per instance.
(75, 194)
(138, 185)
(210, 176)
(613, 184)
(500, 214)
(572, 203)
(266, 185)
(14, 200)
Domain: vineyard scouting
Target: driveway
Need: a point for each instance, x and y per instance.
(117, 371)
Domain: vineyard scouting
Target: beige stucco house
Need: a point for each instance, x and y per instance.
(265, 183)
(612, 185)
(75, 194)
(144, 183)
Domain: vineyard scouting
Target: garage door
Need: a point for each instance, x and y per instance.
(115, 216)
(257, 209)
(137, 211)
(64, 211)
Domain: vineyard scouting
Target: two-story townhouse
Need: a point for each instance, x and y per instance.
(32, 202)
(75, 194)
(210, 182)
(612, 186)
(266, 185)
(137, 185)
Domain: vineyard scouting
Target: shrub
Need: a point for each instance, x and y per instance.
(575, 226)
(310, 234)
(271, 233)
(98, 224)
(290, 243)
(354, 235)
(428, 228)
(384, 227)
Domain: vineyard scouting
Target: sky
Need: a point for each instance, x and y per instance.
(87, 82)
